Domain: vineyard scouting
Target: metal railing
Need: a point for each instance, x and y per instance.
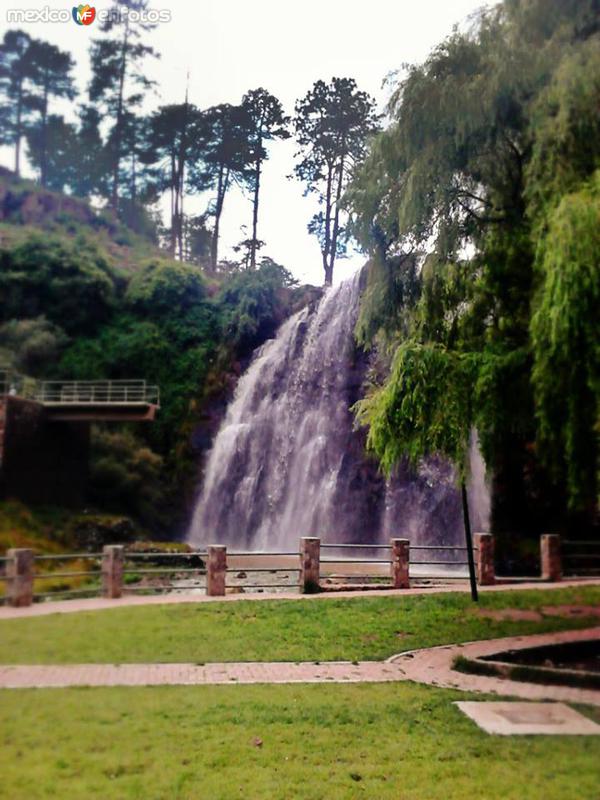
(215, 570)
(450, 565)
(581, 558)
(118, 392)
(135, 574)
(97, 392)
(78, 582)
(419, 574)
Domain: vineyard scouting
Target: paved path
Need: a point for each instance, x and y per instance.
(15, 677)
(102, 604)
(432, 666)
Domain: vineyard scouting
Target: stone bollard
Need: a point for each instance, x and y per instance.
(310, 565)
(550, 557)
(484, 559)
(113, 556)
(216, 570)
(399, 563)
(19, 574)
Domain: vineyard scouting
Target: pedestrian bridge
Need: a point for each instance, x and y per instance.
(118, 400)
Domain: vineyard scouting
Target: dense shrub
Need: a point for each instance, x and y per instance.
(68, 281)
(166, 286)
(32, 343)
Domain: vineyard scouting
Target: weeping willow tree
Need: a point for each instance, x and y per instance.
(480, 214)
(424, 408)
(566, 346)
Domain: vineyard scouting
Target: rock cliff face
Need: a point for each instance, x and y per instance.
(287, 461)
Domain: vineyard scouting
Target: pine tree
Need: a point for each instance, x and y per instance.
(173, 130)
(223, 157)
(332, 125)
(119, 83)
(267, 123)
(50, 70)
(17, 99)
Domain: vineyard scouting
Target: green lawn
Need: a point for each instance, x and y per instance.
(345, 629)
(403, 742)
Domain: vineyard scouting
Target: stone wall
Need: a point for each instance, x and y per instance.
(43, 461)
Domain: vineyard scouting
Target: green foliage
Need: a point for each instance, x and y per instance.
(69, 282)
(51, 148)
(33, 343)
(392, 289)
(267, 122)
(17, 104)
(481, 216)
(566, 128)
(332, 122)
(125, 475)
(424, 408)
(166, 287)
(564, 332)
(251, 303)
(118, 81)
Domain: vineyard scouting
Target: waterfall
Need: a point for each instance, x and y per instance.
(287, 462)
(478, 487)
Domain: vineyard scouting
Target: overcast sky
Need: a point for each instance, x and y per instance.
(230, 46)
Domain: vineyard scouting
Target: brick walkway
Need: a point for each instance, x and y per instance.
(102, 604)
(431, 666)
(434, 666)
(16, 677)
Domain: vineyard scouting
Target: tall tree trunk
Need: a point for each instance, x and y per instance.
(254, 242)
(221, 189)
(336, 219)
(44, 136)
(114, 200)
(180, 225)
(174, 186)
(176, 216)
(327, 243)
(133, 187)
(18, 129)
(181, 174)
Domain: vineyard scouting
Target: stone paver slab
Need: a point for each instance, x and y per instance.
(508, 719)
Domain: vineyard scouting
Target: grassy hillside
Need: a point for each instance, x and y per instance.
(84, 297)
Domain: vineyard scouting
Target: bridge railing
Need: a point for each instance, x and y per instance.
(97, 392)
(78, 392)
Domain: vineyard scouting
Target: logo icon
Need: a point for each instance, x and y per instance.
(84, 15)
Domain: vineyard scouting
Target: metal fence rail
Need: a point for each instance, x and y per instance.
(345, 561)
(97, 392)
(215, 570)
(581, 558)
(102, 392)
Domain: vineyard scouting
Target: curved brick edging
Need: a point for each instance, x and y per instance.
(434, 666)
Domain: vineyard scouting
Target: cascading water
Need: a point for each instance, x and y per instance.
(287, 462)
